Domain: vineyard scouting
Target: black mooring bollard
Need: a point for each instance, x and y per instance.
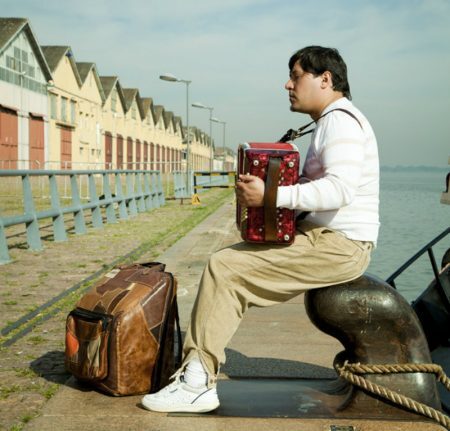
(376, 325)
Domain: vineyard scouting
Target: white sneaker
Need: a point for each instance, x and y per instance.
(180, 397)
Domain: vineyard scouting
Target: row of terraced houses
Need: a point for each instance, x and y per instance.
(57, 113)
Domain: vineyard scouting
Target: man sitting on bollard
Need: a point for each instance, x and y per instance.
(338, 191)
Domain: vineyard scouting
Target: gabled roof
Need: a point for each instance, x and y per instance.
(54, 54)
(157, 112)
(83, 69)
(10, 28)
(132, 94)
(168, 118)
(178, 124)
(147, 107)
(110, 82)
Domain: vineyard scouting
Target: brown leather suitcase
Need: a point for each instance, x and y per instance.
(120, 338)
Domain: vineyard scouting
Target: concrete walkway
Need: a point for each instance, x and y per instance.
(275, 345)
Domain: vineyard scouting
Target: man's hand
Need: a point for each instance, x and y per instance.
(250, 191)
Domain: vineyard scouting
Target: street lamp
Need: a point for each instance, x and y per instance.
(170, 78)
(216, 120)
(210, 108)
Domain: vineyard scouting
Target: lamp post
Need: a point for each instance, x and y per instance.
(216, 120)
(210, 108)
(170, 78)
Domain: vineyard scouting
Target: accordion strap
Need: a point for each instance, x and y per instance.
(270, 199)
(292, 134)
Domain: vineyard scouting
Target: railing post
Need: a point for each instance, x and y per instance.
(140, 195)
(80, 225)
(110, 213)
(4, 255)
(93, 197)
(59, 230)
(123, 214)
(33, 237)
(155, 197)
(130, 195)
(160, 191)
(147, 191)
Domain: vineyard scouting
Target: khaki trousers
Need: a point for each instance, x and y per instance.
(246, 275)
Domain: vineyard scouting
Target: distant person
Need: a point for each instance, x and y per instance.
(338, 190)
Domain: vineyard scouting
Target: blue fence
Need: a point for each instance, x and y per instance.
(216, 179)
(200, 181)
(133, 191)
(180, 188)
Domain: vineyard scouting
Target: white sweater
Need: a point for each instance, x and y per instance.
(340, 178)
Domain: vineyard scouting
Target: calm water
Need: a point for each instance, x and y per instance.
(411, 216)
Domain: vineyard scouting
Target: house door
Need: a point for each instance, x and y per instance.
(119, 152)
(108, 150)
(66, 147)
(36, 139)
(9, 153)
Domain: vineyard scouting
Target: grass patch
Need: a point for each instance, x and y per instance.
(6, 391)
(36, 339)
(25, 372)
(49, 391)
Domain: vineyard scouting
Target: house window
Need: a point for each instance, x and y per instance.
(63, 108)
(72, 111)
(53, 101)
(133, 112)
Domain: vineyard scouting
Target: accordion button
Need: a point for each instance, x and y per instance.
(291, 164)
(287, 237)
(255, 162)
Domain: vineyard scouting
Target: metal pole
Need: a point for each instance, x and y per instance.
(224, 125)
(188, 152)
(211, 162)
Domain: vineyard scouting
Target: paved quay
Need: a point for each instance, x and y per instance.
(275, 345)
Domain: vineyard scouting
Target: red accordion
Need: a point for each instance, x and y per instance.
(278, 165)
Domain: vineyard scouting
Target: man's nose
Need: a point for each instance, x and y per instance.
(288, 84)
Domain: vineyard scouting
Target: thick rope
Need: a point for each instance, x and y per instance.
(348, 372)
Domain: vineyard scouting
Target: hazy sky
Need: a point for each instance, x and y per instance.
(236, 53)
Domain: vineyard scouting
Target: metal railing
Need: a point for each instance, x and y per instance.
(215, 179)
(429, 250)
(201, 180)
(141, 191)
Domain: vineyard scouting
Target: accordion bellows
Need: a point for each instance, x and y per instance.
(277, 164)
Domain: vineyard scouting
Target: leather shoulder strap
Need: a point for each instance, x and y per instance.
(291, 134)
(270, 199)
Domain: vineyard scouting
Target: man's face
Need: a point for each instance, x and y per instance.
(303, 90)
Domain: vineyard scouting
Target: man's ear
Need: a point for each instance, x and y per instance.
(327, 80)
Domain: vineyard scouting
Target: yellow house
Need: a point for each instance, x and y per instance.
(226, 158)
(134, 116)
(24, 74)
(89, 152)
(148, 128)
(63, 100)
(200, 149)
(114, 109)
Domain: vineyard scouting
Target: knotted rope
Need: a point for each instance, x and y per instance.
(349, 372)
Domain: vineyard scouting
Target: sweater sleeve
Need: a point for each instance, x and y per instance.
(339, 156)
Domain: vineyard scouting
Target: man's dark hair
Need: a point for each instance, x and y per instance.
(317, 60)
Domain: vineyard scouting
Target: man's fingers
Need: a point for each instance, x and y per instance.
(246, 178)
